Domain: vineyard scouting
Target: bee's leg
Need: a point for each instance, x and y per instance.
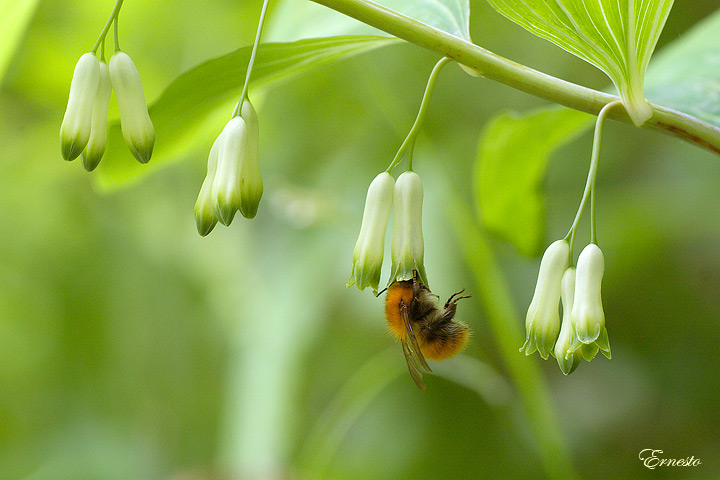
(416, 285)
(450, 300)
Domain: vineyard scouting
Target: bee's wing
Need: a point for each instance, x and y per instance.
(413, 364)
(411, 342)
(413, 356)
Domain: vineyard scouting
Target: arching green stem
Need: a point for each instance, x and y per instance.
(409, 144)
(495, 67)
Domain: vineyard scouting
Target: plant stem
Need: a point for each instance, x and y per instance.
(113, 15)
(518, 76)
(244, 93)
(592, 175)
(409, 143)
(115, 29)
(504, 323)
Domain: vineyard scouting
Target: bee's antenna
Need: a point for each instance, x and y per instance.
(381, 292)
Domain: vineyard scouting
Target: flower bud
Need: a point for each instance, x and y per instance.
(568, 362)
(226, 188)
(205, 218)
(369, 249)
(587, 315)
(251, 188)
(76, 125)
(98, 132)
(408, 247)
(542, 322)
(137, 128)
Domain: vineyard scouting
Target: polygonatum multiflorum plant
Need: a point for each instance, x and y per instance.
(565, 318)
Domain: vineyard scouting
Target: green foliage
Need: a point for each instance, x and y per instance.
(182, 113)
(14, 18)
(618, 37)
(685, 75)
(512, 159)
(293, 20)
(514, 149)
(130, 347)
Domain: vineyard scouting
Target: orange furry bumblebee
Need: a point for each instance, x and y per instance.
(424, 329)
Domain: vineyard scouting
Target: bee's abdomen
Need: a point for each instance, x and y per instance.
(444, 340)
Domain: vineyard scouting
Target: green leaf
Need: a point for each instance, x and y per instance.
(685, 75)
(187, 111)
(617, 36)
(294, 20)
(512, 157)
(14, 18)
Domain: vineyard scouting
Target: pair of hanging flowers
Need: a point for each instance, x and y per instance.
(84, 128)
(233, 180)
(581, 333)
(408, 248)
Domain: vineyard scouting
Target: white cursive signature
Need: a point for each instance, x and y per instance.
(651, 460)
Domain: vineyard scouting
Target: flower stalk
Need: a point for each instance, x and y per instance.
(408, 144)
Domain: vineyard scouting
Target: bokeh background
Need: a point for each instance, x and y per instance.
(132, 348)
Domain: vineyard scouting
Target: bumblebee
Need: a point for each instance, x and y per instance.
(424, 328)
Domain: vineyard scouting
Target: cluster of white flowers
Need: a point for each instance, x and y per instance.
(582, 333)
(233, 180)
(408, 248)
(84, 127)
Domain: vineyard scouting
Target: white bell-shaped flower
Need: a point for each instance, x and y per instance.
(205, 218)
(95, 148)
(542, 322)
(408, 247)
(137, 128)
(226, 189)
(251, 188)
(568, 362)
(370, 246)
(588, 317)
(77, 122)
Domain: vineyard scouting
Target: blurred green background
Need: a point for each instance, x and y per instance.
(132, 348)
